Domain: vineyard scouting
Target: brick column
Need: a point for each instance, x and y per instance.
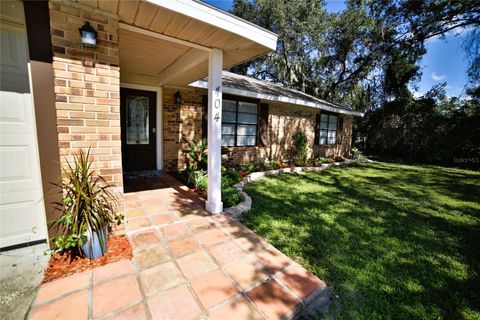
(87, 87)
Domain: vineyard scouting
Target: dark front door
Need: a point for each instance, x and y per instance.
(138, 118)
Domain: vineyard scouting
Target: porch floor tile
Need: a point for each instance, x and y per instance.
(186, 264)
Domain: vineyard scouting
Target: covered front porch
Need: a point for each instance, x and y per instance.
(172, 44)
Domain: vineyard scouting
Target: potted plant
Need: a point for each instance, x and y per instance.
(87, 209)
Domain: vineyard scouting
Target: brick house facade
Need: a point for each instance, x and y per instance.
(183, 122)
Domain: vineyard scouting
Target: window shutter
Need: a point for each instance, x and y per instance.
(317, 128)
(204, 117)
(263, 136)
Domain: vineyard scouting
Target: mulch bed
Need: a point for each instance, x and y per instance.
(65, 263)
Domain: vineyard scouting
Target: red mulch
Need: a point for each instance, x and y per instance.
(64, 264)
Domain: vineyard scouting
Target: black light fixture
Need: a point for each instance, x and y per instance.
(178, 97)
(89, 35)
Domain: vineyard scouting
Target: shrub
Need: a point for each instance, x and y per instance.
(231, 197)
(300, 148)
(357, 155)
(230, 177)
(196, 154)
(199, 179)
(87, 205)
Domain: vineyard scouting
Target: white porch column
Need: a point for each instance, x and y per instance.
(214, 196)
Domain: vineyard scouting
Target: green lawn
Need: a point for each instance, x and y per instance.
(395, 241)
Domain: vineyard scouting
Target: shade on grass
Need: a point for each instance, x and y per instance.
(395, 241)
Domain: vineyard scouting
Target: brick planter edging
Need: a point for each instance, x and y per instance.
(246, 205)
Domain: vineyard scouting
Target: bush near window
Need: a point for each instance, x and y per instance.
(300, 148)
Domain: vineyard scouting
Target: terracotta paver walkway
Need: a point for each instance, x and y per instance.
(187, 265)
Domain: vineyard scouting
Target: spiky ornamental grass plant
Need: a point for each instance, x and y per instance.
(87, 205)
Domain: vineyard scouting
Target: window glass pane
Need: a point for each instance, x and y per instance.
(246, 140)
(246, 130)
(324, 118)
(332, 125)
(137, 120)
(323, 133)
(247, 107)
(229, 116)
(228, 140)
(332, 135)
(228, 128)
(323, 125)
(323, 141)
(247, 118)
(229, 105)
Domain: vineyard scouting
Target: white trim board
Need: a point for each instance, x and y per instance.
(279, 98)
(220, 19)
(159, 122)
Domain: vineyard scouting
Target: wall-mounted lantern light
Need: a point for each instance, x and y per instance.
(89, 35)
(178, 97)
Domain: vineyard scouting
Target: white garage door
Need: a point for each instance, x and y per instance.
(22, 212)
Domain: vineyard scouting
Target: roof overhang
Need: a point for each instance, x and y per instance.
(168, 42)
(279, 98)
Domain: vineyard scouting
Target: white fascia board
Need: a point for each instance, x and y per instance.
(271, 97)
(203, 12)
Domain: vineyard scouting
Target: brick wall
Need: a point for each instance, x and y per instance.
(87, 83)
(185, 121)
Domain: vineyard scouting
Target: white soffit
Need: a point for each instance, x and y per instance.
(221, 19)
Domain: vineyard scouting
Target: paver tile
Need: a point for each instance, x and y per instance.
(251, 243)
(273, 300)
(138, 223)
(152, 202)
(72, 306)
(273, 260)
(236, 309)
(199, 224)
(300, 281)
(177, 303)
(226, 252)
(181, 247)
(196, 264)
(213, 288)
(246, 272)
(115, 294)
(62, 286)
(145, 238)
(129, 214)
(112, 270)
(147, 257)
(160, 219)
(210, 237)
(137, 312)
(174, 231)
(161, 277)
(235, 229)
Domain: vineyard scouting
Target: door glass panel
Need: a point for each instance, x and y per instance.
(137, 120)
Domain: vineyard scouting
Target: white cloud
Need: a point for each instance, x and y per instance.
(438, 77)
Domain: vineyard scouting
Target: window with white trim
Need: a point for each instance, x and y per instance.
(239, 123)
(328, 129)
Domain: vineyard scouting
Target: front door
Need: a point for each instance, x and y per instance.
(138, 117)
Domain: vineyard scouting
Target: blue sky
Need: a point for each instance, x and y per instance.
(443, 62)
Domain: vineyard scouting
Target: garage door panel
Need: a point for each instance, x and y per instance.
(16, 113)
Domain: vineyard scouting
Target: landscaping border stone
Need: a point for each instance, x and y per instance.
(246, 205)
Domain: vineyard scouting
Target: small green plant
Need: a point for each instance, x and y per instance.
(300, 148)
(249, 167)
(230, 177)
(357, 155)
(231, 197)
(87, 205)
(196, 154)
(199, 179)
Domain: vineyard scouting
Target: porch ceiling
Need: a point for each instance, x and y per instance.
(148, 59)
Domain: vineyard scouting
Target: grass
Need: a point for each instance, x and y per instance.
(395, 241)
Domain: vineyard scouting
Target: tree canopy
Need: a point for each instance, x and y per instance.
(367, 57)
